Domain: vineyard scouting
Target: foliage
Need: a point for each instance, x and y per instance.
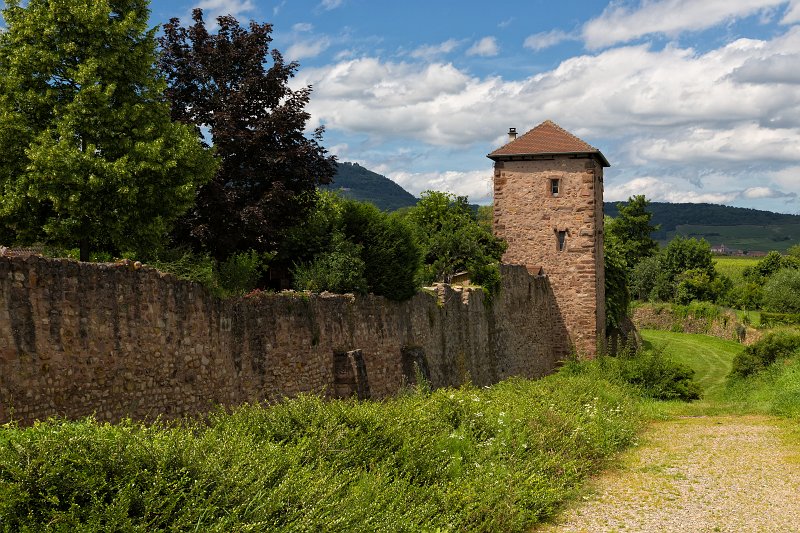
(771, 320)
(380, 254)
(268, 168)
(340, 269)
(643, 277)
(241, 272)
(617, 293)
(782, 291)
(236, 276)
(453, 240)
(501, 458)
(88, 154)
(633, 231)
(769, 265)
(764, 352)
(654, 375)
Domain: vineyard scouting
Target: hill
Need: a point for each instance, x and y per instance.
(356, 182)
(735, 227)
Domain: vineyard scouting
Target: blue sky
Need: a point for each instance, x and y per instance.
(690, 100)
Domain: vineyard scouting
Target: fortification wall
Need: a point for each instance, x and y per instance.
(79, 339)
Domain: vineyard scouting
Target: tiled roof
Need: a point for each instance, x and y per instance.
(548, 138)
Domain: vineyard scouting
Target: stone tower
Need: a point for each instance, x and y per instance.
(548, 206)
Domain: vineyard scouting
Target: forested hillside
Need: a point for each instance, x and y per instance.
(356, 182)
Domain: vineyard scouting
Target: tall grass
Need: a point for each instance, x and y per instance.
(470, 459)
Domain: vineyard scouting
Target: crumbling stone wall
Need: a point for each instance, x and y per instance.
(79, 339)
(529, 217)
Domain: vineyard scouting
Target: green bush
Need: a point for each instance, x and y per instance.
(659, 377)
(241, 272)
(339, 270)
(650, 372)
(762, 353)
(770, 320)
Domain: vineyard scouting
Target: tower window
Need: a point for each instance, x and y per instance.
(562, 240)
(555, 186)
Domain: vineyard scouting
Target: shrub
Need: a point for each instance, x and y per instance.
(762, 353)
(339, 270)
(241, 272)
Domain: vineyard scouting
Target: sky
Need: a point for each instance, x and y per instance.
(689, 100)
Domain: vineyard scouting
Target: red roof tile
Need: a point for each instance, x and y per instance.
(548, 138)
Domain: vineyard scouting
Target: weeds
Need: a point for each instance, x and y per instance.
(500, 458)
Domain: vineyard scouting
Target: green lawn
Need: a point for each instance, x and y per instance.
(708, 356)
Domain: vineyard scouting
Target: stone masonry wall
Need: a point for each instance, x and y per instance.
(79, 339)
(529, 218)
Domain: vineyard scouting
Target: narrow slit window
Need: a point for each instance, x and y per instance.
(555, 186)
(562, 240)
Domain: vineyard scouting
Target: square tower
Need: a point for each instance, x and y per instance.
(548, 206)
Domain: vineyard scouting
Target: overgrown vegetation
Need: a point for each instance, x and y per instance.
(500, 458)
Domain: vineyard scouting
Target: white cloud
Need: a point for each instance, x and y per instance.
(667, 112)
(216, 8)
(779, 68)
(666, 190)
(486, 47)
(619, 23)
(739, 144)
(546, 39)
(476, 185)
(792, 13)
(302, 27)
(505, 23)
(327, 5)
(765, 192)
(307, 48)
(432, 51)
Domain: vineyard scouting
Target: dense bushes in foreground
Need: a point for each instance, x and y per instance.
(499, 458)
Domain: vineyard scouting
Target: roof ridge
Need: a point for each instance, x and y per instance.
(562, 130)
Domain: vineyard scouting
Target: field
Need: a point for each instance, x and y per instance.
(778, 237)
(734, 266)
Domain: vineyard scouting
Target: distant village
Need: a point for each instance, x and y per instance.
(724, 250)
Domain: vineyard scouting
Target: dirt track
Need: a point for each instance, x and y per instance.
(696, 474)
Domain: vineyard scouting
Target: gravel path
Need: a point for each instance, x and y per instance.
(711, 473)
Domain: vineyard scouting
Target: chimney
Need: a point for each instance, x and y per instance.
(512, 134)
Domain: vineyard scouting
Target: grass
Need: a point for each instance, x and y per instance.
(501, 458)
(775, 391)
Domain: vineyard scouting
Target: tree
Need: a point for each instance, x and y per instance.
(268, 168)
(352, 246)
(782, 291)
(453, 240)
(88, 153)
(617, 293)
(633, 230)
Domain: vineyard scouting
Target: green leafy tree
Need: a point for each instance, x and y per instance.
(782, 291)
(769, 265)
(632, 230)
(453, 240)
(88, 153)
(352, 246)
(616, 283)
(232, 84)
